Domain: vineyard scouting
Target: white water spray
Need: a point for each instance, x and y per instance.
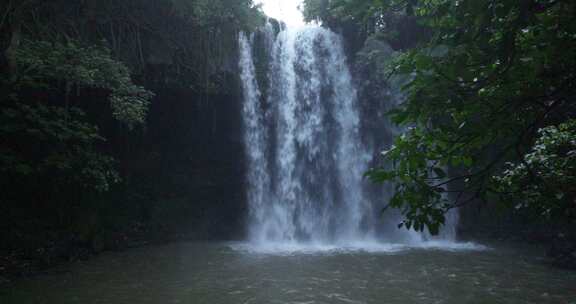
(303, 142)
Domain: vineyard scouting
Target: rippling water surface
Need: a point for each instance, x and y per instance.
(217, 273)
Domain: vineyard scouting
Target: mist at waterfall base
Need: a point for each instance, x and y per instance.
(307, 150)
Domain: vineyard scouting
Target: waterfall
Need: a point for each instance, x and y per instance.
(255, 136)
(303, 142)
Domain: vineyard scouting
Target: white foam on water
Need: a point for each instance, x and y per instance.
(301, 248)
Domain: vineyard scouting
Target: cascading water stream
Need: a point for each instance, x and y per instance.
(303, 141)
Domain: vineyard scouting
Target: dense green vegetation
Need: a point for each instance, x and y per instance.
(489, 110)
(78, 81)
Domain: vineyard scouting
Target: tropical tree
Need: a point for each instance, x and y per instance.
(489, 78)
